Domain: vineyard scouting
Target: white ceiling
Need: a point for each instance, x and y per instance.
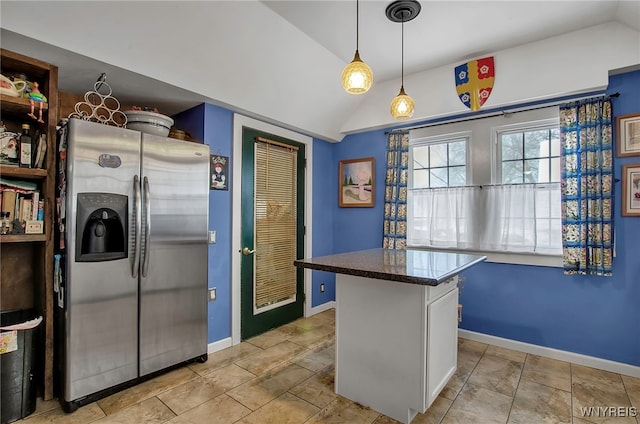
(274, 47)
(444, 32)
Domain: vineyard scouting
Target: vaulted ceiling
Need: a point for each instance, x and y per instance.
(278, 60)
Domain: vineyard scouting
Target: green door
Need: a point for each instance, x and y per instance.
(272, 231)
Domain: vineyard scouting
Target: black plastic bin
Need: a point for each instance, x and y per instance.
(18, 369)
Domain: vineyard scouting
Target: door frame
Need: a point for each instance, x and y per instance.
(240, 121)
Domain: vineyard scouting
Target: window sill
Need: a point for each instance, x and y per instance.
(554, 261)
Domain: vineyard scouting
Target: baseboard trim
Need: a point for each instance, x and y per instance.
(562, 355)
(219, 345)
(321, 308)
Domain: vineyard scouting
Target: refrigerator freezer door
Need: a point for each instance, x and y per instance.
(101, 336)
(173, 285)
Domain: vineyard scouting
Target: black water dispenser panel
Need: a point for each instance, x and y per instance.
(101, 227)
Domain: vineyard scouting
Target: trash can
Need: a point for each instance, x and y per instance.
(18, 350)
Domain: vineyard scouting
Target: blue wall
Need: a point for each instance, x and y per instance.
(594, 316)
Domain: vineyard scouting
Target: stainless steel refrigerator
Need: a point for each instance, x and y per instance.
(133, 299)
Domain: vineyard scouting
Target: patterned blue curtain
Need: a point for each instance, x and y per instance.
(587, 187)
(395, 194)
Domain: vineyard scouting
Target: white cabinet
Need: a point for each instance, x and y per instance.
(396, 343)
(442, 344)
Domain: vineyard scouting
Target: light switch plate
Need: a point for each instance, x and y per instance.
(212, 237)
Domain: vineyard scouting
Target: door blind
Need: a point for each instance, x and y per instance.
(275, 224)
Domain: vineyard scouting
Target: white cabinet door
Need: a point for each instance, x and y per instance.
(442, 343)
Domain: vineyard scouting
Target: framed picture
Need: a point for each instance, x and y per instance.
(219, 170)
(356, 181)
(628, 131)
(631, 190)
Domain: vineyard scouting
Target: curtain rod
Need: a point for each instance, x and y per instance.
(505, 111)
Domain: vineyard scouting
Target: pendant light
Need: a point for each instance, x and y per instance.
(402, 106)
(357, 76)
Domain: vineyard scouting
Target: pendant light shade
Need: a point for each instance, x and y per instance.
(357, 77)
(402, 105)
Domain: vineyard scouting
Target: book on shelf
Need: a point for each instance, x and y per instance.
(41, 150)
(25, 206)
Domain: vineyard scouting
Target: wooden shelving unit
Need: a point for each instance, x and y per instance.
(26, 260)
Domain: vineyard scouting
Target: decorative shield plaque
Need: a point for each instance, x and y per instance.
(474, 82)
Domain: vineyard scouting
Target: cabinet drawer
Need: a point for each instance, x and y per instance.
(434, 292)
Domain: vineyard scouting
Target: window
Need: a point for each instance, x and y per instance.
(488, 186)
(530, 156)
(439, 164)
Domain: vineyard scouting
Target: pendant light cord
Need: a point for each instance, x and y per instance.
(402, 59)
(357, 23)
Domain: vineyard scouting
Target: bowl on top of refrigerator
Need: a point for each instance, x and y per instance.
(148, 122)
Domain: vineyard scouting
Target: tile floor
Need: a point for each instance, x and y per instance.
(286, 376)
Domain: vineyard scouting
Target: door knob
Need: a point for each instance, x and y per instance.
(246, 251)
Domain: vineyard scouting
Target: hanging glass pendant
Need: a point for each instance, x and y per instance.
(357, 77)
(402, 106)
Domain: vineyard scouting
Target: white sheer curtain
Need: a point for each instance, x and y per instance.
(524, 218)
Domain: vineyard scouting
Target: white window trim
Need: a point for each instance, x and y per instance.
(492, 256)
(425, 141)
(496, 166)
(515, 258)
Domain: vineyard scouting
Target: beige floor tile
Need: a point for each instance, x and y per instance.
(537, 403)
(275, 336)
(225, 357)
(589, 397)
(383, 419)
(435, 413)
(632, 385)
(321, 319)
(150, 411)
(497, 374)
(504, 353)
(316, 360)
(318, 389)
(146, 390)
(550, 372)
(84, 415)
(266, 359)
(285, 409)
(471, 347)
(320, 334)
(220, 410)
(257, 392)
(229, 377)
(190, 394)
(477, 404)
(344, 411)
(593, 374)
(468, 358)
(46, 405)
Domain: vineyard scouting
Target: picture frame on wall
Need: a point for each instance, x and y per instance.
(631, 190)
(219, 166)
(628, 135)
(357, 183)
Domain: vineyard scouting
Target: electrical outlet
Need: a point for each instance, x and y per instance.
(321, 287)
(212, 294)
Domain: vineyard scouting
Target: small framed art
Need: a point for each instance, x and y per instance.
(356, 183)
(631, 190)
(219, 167)
(628, 132)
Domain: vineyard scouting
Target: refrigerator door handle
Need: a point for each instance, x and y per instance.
(147, 230)
(137, 227)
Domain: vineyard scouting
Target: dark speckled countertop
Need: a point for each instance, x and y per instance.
(425, 267)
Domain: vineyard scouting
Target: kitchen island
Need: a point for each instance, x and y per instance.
(396, 325)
